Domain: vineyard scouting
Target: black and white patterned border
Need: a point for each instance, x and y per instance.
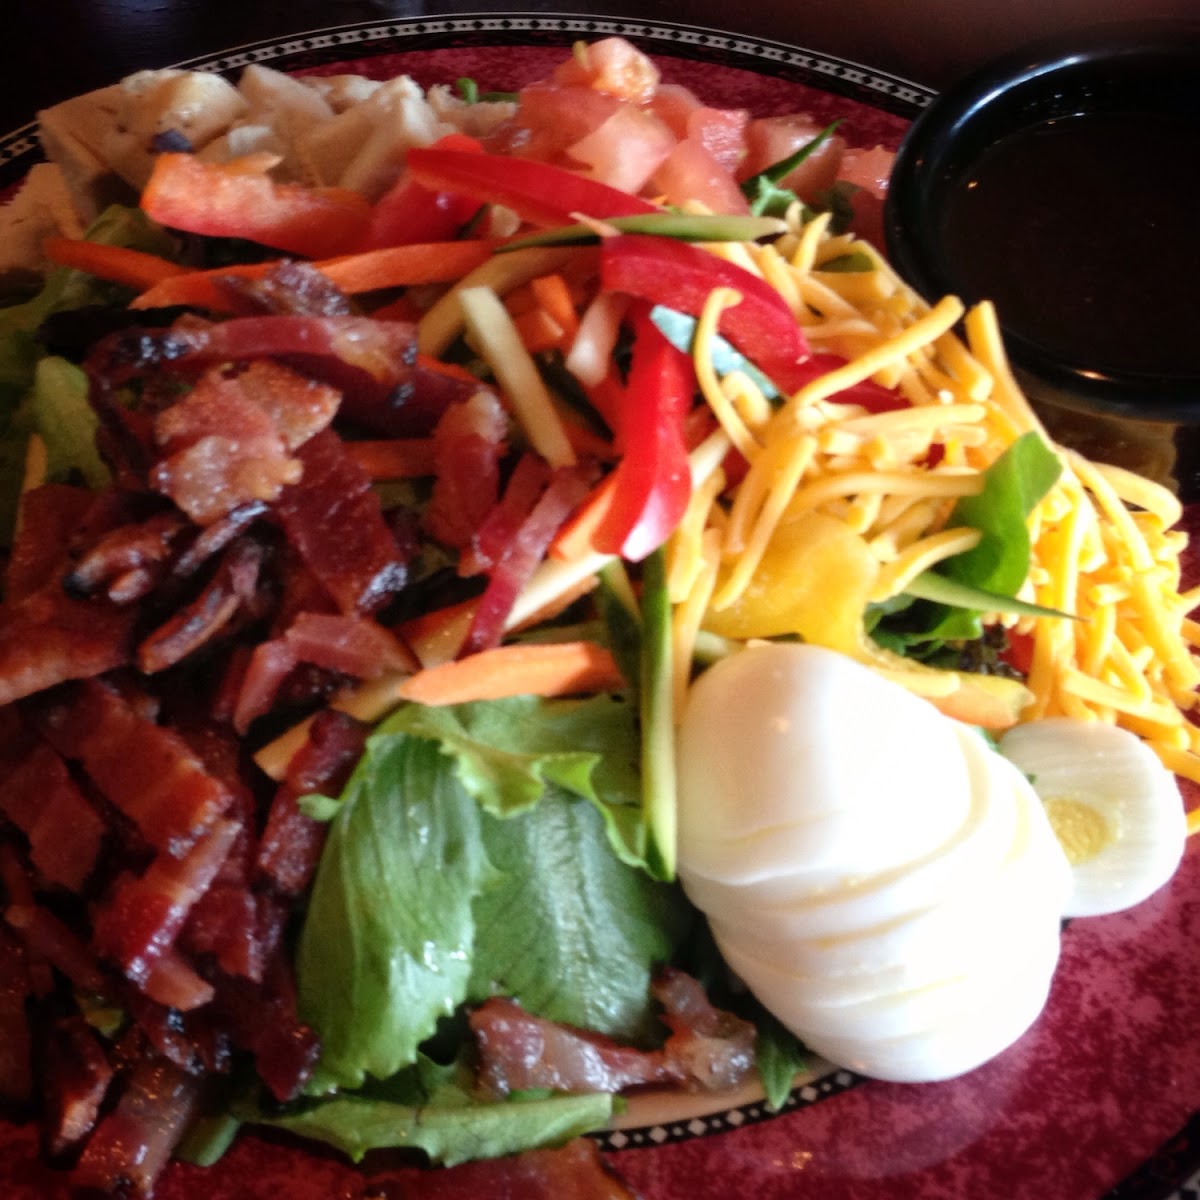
(685, 1129)
(20, 149)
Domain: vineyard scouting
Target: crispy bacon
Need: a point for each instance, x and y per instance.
(50, 514)
(49, 939)
(468, 444)
(712, 1048)
(75, 1076)
(138, 923)
(291, 841)
(516, 553)
(708, 1049)
(41, 799)
(575, 1170)
(351, 645)
(519, 1051)
(145, 547)
(147, 772)
(197, 623)
(16, 1071)
(333, 520)
(50, 637)
(133, 1143)
(293, 288)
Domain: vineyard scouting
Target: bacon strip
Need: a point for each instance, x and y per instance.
(16, 1070)
(146, 771)
(333, 519)
(41, 799)
(138, 923)
(133, 1143)
(75, 1077)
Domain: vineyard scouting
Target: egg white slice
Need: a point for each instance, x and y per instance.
(792, 908)
(785, 750)
(1115, 808)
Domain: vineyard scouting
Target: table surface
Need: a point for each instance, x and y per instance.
(56, 48)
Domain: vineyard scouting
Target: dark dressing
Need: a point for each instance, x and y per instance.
(1085, 232)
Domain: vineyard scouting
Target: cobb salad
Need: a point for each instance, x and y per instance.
(441, 524)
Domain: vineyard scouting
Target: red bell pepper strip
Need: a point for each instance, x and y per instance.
(225, 200)
(682, 276)
(537, 192)
(652, 483)
(410, 212)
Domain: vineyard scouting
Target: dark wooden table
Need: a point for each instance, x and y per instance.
(51, 49)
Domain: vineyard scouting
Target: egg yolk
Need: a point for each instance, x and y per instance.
(1081, 830)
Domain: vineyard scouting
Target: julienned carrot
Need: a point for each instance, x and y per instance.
(373, 270)
(539, 330)
(436, 637)
(119, 264)
(553, 295)
(404, 266)
(394, 458)
(200, 289)
(450, 370)
(544, 669)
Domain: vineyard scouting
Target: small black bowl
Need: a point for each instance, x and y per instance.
(1057, 181)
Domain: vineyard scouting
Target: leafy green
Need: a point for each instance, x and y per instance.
(946, 605)
(471, 851)
(386, 943)
(427, 1108)
(763, 192)
(506, 753)
(20, 350)
(569, 931)
(779, 1055)
(67, 423)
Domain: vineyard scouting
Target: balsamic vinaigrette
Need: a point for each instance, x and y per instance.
(1093, 239)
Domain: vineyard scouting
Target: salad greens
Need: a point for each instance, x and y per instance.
(471, 854)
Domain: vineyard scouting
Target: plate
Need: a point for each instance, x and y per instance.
(1103, 1093)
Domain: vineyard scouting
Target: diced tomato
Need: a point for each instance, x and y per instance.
(722, 132)
(611, 65)
(772, 139)
(626, 150)
(674, 104)
(868, 169)
(691, 172)
(550, 117)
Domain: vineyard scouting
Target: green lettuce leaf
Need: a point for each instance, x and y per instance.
(506, 753)
(427, 1108)
(568, 930)
(385, 950)
(67, 423)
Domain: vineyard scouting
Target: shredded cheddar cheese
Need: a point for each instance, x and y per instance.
(1103, 546)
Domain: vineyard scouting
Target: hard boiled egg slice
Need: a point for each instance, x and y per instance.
(876, 771)
(1114, 807)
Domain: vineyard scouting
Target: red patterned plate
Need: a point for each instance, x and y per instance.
(1100, 1098)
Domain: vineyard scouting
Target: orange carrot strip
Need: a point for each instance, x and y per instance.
(373, 270)
(134, 268)
(404, 266)
(554, 296)
(538, 330)
(198, 288)
(393, 458)
(574, 539)
(546, 669)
